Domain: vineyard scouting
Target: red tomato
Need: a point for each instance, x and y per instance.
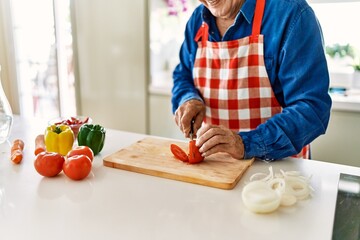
(81, 150)
(77, 167)
(49, 164)
(179, 153)
(194, 154)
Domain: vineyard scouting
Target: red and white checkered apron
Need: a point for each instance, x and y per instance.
(232, 78)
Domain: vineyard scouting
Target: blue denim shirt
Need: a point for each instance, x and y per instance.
(296, 65)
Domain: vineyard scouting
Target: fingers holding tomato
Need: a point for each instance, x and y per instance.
(77, 167)
(213, 139)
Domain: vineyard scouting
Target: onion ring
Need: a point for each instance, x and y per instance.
(260, 198)
(266, 192)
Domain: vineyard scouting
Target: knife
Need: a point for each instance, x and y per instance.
(192, 129)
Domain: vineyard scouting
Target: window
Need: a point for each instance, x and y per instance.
(43, 54)
(339, 20)
(167, 25)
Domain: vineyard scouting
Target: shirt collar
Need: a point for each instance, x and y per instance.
(247, 10)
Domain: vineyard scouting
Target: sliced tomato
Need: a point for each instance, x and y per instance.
(179, 153)
(194, 154)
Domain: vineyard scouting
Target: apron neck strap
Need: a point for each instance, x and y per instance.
(259, 12)
(258, 15)
(202, 33)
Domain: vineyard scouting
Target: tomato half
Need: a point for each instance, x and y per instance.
(81, 150)
(179, 153)
(49, 164)
(77, 167)
(194, 154)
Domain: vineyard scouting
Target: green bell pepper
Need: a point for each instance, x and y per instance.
(92, 136)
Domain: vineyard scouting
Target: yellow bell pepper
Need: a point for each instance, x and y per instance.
(59, 138)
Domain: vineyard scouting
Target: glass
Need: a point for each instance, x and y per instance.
(6, 115)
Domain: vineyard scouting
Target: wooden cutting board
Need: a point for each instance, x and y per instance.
(152, 156)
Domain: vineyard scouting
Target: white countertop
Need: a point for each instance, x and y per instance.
(117, 204)
(346, 103)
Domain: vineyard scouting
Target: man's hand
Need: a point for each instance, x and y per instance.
(212, 139)
(192, 109)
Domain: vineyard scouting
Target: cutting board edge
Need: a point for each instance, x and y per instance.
(251, 161)
(172, 176)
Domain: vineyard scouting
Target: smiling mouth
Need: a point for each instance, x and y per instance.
(213, 3)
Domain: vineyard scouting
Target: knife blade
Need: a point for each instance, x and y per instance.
(192, 129)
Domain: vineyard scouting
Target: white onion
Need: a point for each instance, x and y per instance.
(266, 192)
(260, 198)
(262, 176)
(288, 200)
(299, 189)
(277, 184)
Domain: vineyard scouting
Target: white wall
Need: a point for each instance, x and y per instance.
(112, 47)
(341, 143)
(162, 121)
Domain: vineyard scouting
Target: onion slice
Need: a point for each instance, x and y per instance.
(299, 189)
(288, 200)
(266, 192)
(260, 198)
